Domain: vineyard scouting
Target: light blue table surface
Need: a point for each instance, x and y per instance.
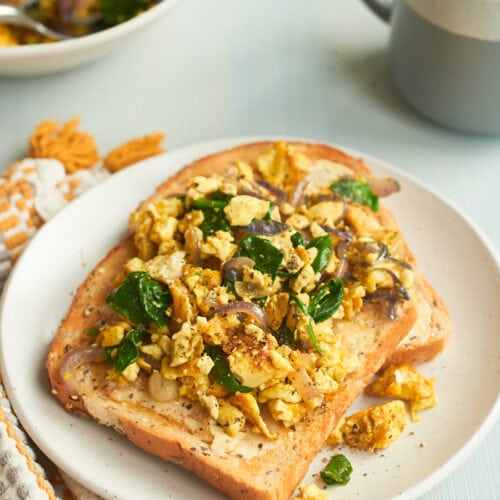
(315, 69)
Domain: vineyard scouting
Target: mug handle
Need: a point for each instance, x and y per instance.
(383, 8)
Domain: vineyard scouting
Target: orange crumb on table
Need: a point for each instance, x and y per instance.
(134, 151)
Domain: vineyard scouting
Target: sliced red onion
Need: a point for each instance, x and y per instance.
(75, 358)
(278, 193)
(296, 197)
(391, 295)
(383, 251)
(400, 262)
(342, 268)
(395, 279)
(265, 227)
(233, 268)
(250, 192)
(341, 252)
(325, 197)
(383, 186)
(249, 308)
(385, 255)
(162, 389)
(304, 384)
(343, 235)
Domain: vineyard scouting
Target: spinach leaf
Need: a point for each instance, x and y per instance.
(114, 12)
(214, 218)
(221, 371)
(324, 246)
(266, 256)
(326, 300)
(297, 239)
(269, 211)
(127, 352)
(141, 299)
(357, 191)
(283, 273)
(310, 329)
(337, 471)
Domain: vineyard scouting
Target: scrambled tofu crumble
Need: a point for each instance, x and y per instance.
(311, 492)
(405, 382)
(371, 429)
(237, 285)
(379, 426)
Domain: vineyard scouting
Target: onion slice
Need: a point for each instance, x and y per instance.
(233, 268)
(304, 384)
(265, 227)
(391, 295)
(161, 389)
(76, 358)
(341, 253)
(343, 235)
(278, 193)
(242, 307)
(296, 197)
(383, 186)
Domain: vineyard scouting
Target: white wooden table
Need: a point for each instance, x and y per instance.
(316, 69)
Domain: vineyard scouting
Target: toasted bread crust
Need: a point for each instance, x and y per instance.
(430, 334)
(274, 471)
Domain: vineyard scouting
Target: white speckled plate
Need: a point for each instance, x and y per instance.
(457, 259)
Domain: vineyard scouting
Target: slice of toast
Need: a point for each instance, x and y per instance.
(248, 465)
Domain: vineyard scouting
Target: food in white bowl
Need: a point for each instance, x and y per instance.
(24, 53)
(71, 17)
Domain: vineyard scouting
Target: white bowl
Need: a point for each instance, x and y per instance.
(56, 56)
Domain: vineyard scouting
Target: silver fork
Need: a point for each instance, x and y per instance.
(18, 17)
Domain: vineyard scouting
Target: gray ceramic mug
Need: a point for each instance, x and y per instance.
(445, 59)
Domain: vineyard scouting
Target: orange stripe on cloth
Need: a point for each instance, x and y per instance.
(6, 188)
(9, 188)
(16, 240)
(9, 222)
(40, 481)
(4, 205)
(29, 170)
(27, 191)
(21, 205)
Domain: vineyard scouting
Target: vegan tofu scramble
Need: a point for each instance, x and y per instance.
(234, 295)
